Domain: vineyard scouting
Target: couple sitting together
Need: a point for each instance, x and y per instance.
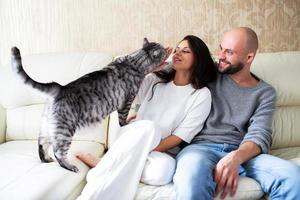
(224, 113)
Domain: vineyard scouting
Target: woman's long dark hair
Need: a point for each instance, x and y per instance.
(204, 70)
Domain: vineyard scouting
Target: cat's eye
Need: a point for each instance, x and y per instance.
(155, 54)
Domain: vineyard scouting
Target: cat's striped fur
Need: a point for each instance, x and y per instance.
(90, 98)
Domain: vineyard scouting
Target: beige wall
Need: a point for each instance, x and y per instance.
(118, 26)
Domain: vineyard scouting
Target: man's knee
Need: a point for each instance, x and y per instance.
(159, 169)
(194, 165)
(193, 176)
(293, 176)
(195, 160)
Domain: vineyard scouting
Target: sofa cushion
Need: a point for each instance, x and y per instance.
(24, 123)
(286, 127)
(23, 176)
(247, 189)
(290, 153)
(282, 71)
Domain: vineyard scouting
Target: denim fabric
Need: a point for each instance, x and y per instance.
(193, 178)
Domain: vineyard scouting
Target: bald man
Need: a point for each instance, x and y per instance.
(237, 135)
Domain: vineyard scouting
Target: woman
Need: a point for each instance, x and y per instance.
(174, 105)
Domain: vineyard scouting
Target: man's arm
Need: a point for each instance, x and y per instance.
(246, 151)
(260, 123)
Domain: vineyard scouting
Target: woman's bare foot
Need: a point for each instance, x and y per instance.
(88, 159)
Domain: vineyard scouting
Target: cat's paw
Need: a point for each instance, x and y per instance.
(72, 168)
(63, 163)
(123, 123)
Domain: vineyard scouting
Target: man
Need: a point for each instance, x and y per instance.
(237, 135)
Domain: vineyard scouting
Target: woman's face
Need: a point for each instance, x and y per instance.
(183, 57)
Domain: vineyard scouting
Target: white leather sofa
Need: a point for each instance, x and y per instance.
(23, 176)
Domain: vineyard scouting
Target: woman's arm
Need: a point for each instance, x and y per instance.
(168, 143)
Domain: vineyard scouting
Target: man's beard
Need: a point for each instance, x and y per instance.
(231, 69)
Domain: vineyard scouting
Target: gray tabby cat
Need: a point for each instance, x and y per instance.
(90, 98)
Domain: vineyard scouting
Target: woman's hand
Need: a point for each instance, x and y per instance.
(169, 52)
(131, 117)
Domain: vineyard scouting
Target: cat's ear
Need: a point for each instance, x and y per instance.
(146, 42)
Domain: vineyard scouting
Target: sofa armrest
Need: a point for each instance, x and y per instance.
(2, 124)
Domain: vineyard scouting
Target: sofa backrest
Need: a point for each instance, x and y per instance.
(24, 106)
(282, 71)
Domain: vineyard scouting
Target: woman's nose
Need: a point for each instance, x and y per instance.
(178, 51)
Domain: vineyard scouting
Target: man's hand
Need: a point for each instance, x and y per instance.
(226, 175)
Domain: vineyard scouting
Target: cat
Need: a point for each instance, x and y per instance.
(90, 98)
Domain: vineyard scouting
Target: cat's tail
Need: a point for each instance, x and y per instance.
(51, 89)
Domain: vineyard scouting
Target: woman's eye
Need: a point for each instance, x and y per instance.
(177, 50)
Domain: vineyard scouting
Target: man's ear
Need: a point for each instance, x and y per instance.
(250, 57)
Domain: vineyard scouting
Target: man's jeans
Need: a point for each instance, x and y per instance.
(193, 178)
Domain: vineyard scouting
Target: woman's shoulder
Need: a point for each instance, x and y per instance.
(204, 91)
(151, 78)
(199, 98)
(202, 94)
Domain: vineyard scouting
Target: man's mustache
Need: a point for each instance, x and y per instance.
(224, 61)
